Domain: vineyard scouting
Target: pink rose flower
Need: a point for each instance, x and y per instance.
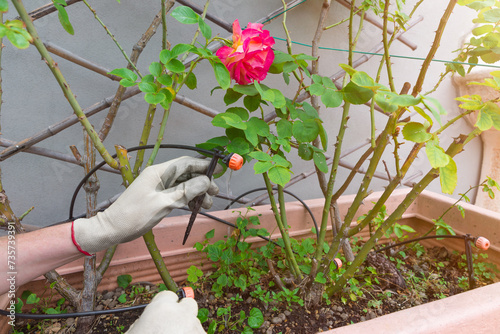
(250, 56)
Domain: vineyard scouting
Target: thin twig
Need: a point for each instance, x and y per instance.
(112, 37)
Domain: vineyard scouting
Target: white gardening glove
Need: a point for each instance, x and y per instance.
(165, 315)
(154, 194)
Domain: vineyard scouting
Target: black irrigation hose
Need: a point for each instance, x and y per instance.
(286, 192)
(72, 315)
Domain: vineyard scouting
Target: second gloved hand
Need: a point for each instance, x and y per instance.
(154, 194)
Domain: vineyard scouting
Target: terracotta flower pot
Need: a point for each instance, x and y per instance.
(435, 317)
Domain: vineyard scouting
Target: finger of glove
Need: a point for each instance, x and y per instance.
(165, 297)
(187, 167)
(182, 194)
(189, 306)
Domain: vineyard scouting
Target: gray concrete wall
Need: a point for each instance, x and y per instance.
(33, 100)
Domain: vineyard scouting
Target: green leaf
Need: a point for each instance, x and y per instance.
(165, 56)
(470, 102)
(32, 299)
(124, 73)
(256, 127)
(436, 155)
(203, 314)
(4, 6)
(284, 128)
(422, 113)
(493, 110)
(405, 100)
(210, 234)
(147, 87)
(481, 30)
(279, 175)
(448, 177)
(180, 49)
(259, 155)
(221, 74)
(484, 121)
(363, 80)
(228, 120)
(123, 298)
(155, 69)
(241, 112)
(62, 14)
(255, 318)
(305, 131)
(382, 99)
(238, 145)
(185, 15)
(434, 106)
(262, 166)
(51, 310)
(280, 161)
(492, 15)
(175, 65)
(124, 281)
(305, 151)
(127, 83)
(331, 98)
(316, 89)
(191, 81)
(252, 103)
(231, 96)
(320, 161)
(350, 70)
(205, 29)
(355, 94)
(279, 100)
(154, 98)
(19, 306)
(246, 89)
(165, 80)
(416, 132)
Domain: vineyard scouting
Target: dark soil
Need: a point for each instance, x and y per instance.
(427, 277)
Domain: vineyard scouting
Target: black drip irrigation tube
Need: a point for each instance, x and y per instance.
(480, 242)
(137, 307)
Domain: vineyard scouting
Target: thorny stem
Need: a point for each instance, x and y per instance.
(342, 21)
(387, 56)
(338, 147)
(164, 10)
(441, 78)
(455, 148)
(195, 37)
(63, 84)
(113, 38)
(464, 195)
(149, 238)
(136, 52)
(315, 70)
(435, 45)
(146, 130)
(159, 139)
(283, 229)
(331, 181)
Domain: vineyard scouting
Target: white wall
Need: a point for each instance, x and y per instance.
(33, 101)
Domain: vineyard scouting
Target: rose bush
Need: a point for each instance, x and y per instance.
(250, 56)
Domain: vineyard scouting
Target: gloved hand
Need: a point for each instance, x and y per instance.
(164, 315)
(154, 194)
